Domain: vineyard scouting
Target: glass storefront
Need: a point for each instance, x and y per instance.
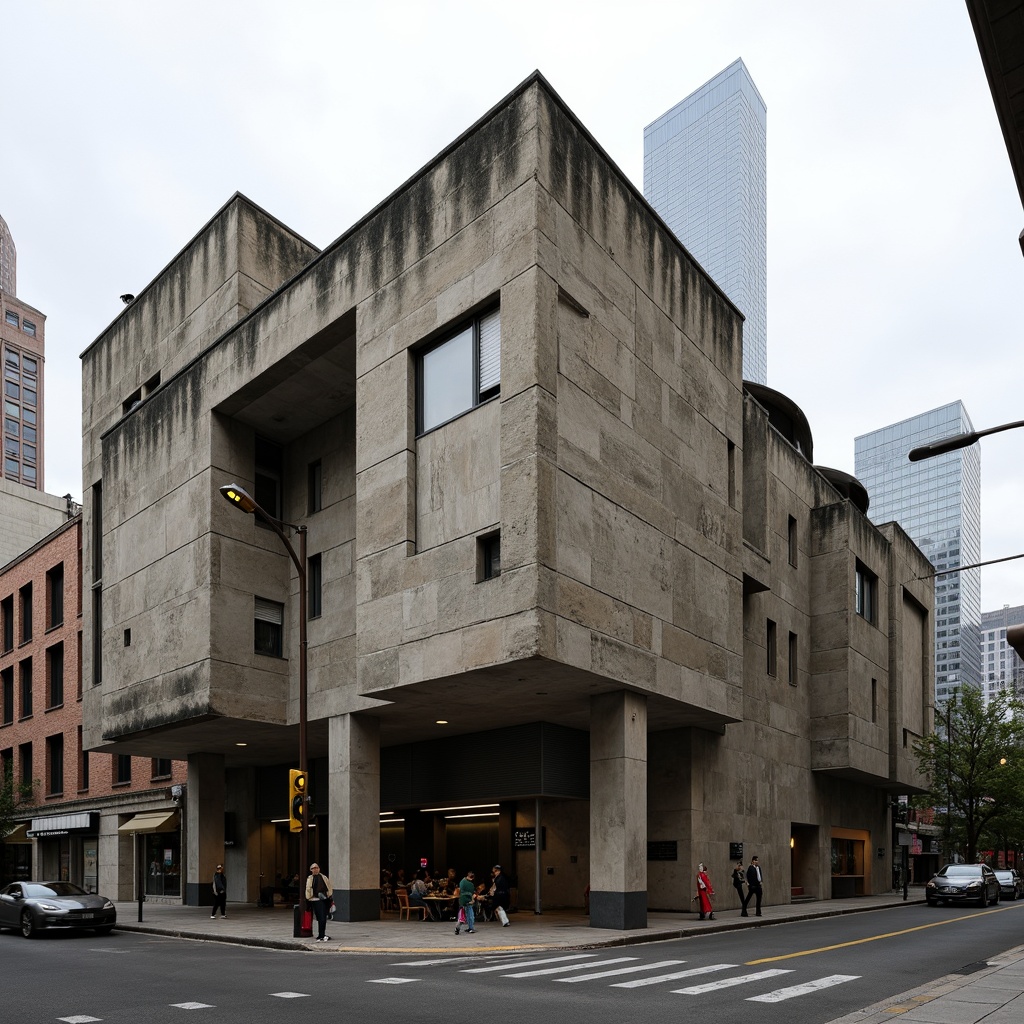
(163, 863)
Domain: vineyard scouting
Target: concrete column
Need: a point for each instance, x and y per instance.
(204, 834)
(354, 844)
(242, 861)
(618, 810)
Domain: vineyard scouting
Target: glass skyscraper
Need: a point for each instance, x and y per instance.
(938, 503)
(1001, 667)
(705, 172)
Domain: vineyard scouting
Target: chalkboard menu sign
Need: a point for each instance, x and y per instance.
(663, 849)
(525, 838)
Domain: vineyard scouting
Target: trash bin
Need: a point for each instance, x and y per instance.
(302, 927)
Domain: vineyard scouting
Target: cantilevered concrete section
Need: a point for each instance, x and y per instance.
(560, 564)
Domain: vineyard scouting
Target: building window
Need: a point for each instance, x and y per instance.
(731, 459)
(12, 318)
(866, 593)
(151, 385)
(315, 587)
(26, 777)
(55, 675)
(792, 541)
(7, 614)
(97, 636)
(78, 666)
(127, 638)
(488, 557)
(28, 327)
(161, 767)
(314, 487)
(55, 596)
(7, 686)
(269, 628)
(874, 700)
(269, 477)
(83, 764)
(25, 595)
(794, 661)
(55, 764)
(122, 769)
(771, 654)
(26, 688)
(460, 372)
(132, 401)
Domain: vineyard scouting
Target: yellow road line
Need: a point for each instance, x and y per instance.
(871, 938)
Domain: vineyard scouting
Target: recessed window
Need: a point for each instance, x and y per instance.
(133, 400)
(792, 541)
(771, 652)
(874, 700)
(794, 659)
(127, 638)
(25, 670)
(161, 767)
(865, 593)
(314, 487)
(25, 595)
(28, 327)
(460, 372)
(488, 557)
(151, 385)
(269, 466)
(268, 628)
(26, 778)
(11, 317)
(55, 675)
(83, 764)
(122, 769)
(7, 614)
(55, 764)
(7, 688)
(315, 587)
(55, 596)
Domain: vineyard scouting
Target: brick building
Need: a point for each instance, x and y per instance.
(66, 792)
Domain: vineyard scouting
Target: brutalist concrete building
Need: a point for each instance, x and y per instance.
(578, 601)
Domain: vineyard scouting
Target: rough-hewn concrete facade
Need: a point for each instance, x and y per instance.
(643, 504)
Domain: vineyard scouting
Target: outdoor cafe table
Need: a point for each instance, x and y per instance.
(439, 906)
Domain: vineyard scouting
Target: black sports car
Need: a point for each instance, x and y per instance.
(34, 906)
(963, 883)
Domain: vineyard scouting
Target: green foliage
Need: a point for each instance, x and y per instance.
(11, 794)
(975, 763)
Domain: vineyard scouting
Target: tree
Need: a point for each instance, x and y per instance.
(976, 767)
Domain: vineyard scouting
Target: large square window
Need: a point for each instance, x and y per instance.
(460, 372)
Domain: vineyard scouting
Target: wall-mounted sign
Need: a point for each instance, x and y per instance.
(663, 849)
(526, 838)
(735, 851)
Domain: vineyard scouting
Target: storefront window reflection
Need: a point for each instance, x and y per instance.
(163, 857)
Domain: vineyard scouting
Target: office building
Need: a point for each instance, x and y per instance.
(1002, 670)
(544, 573)
(22, 343)
(938, 502)
(705, 172)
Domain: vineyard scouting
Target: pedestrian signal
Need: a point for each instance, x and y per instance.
(297, 805)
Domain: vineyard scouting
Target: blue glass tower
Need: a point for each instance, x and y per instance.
(705, 172)
(938, 503)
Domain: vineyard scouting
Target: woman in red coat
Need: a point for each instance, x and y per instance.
(704, 893)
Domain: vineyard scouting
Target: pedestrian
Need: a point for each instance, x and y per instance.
(704, 893)
(738, 878)
(318, 895)
(467, 894)
(220, 893)
(501, 894)
(417, 892)
(753, 887)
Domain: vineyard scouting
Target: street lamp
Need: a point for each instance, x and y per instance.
(955, 441)
(241, 499)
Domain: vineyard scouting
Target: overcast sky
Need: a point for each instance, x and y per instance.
(894, 271)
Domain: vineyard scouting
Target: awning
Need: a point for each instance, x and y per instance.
(19, 835)
(78, 824)
(151, 821)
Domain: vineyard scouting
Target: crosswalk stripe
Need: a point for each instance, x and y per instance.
(529, 963)
(565, 968)
(675, 976)
(621, 970)
(743, 979)
(429, 963)
(801, 990)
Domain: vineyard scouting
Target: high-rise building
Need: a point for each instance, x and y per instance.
(21, 339)
(938, 502)
(1001, 666)
(705, 172)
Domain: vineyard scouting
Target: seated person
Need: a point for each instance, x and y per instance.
(417, 890)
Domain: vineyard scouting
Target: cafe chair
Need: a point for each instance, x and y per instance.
(405, 908)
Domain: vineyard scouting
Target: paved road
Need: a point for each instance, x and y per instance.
(807, 972)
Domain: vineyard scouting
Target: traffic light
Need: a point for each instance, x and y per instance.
(297, 803)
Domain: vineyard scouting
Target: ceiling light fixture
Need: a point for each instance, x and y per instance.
(462, 807)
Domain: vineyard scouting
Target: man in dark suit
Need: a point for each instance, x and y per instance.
(753, 888)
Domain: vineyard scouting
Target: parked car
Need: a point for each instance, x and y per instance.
(1011, 884)
(963, 883)
(32, 907)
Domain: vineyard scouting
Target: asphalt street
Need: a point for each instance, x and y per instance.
(804, 972)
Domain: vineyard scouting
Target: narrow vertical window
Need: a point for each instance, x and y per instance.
(25, 600)
(55, 675)
(269, 478)
(122, 769)
(55, 764)
(488, 557)
(874, 700)
(83, 764)
(794, 661)
(7, 614)
(7, 687)
(731, 459)
(97, 636)
(26, 688)
(865, 593)
(771, 654)
(315, 584)
(792, 541)
(55, 596)
(314, 487)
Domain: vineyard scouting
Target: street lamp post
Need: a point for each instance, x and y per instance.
(241, 499)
